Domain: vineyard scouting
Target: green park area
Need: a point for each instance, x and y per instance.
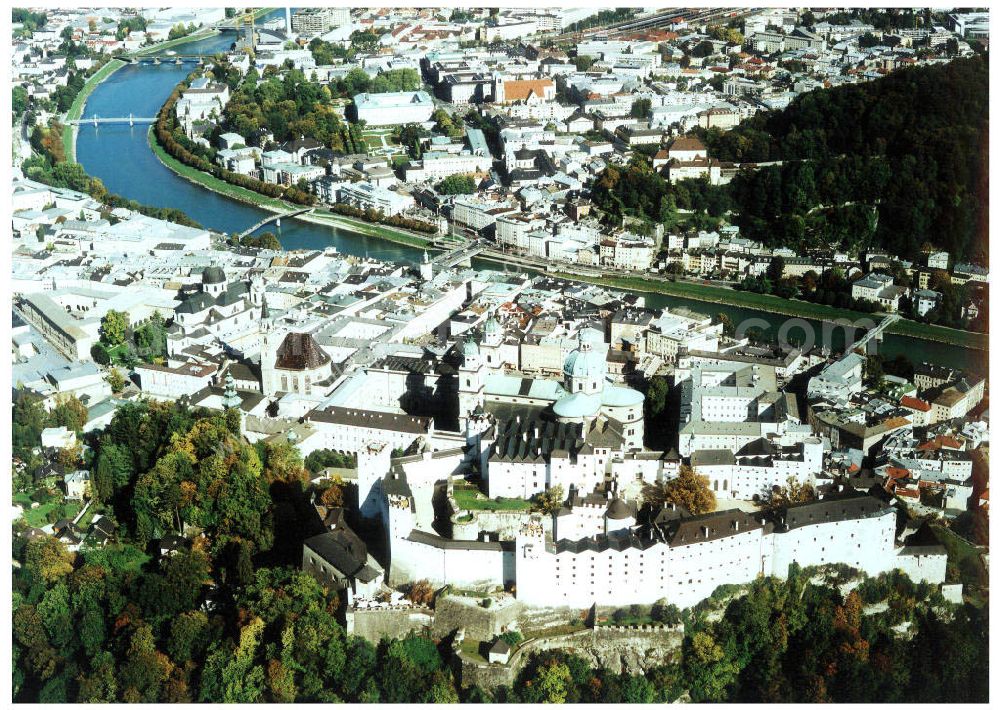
(469, 497)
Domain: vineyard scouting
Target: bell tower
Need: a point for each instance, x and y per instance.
(471, 389)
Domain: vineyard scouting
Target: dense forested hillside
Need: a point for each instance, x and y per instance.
(893, 163)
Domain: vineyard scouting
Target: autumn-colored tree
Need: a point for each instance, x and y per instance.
(420, 592)
(48, 559)
(332, 493)
(688, 490)
(69, 412)
(552, 681)
(284, 463)
(69, 456)
(551, 500)
(709, 669)
(783, 496)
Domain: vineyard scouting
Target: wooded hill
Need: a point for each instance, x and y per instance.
(892, 164)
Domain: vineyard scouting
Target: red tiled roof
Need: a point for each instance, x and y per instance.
(914, 403)
(519, 90)
(939, 442)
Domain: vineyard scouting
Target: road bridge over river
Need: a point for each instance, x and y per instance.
(276, 218)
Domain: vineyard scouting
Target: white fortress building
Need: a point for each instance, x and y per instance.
(684, 558)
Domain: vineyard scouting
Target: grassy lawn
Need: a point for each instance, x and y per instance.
(550, 631)
(93, 510)
(76, 109)
(118, 353)
(773, 304)
(38, 517)
(370, 229)
(126, 558)
(470, 498)
(470, 647)
(628, 620)
(963, 338)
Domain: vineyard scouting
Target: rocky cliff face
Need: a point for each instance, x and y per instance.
(630, 651)
(617, 649)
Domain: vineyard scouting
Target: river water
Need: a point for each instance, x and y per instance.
(120, 156)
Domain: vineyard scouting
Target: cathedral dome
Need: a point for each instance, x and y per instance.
(614, 396)
(213, 275)
(470, 349)
(577, 406)
(585, 363)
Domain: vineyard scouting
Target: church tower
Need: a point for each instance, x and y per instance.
(426, 268)
(268, 349)
(471, 389)
(257, 291)
(492, 340)
(585, 368)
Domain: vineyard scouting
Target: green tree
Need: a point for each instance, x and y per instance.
(29, 418)
(114, 324)
(19, 100)
(151, 338)
(709, 671)
(641, 108)
(553, 680)
(457, 185)
(69, 412)
(776, 269)
(116, 380)
(703, 49)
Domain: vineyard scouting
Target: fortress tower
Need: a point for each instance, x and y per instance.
(373, 465)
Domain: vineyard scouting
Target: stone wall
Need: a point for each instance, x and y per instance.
(377, 624)
(633, 650)
(454, 612)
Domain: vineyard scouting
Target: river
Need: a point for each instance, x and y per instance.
(120, 156)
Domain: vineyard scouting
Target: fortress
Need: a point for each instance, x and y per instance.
(525, 435)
